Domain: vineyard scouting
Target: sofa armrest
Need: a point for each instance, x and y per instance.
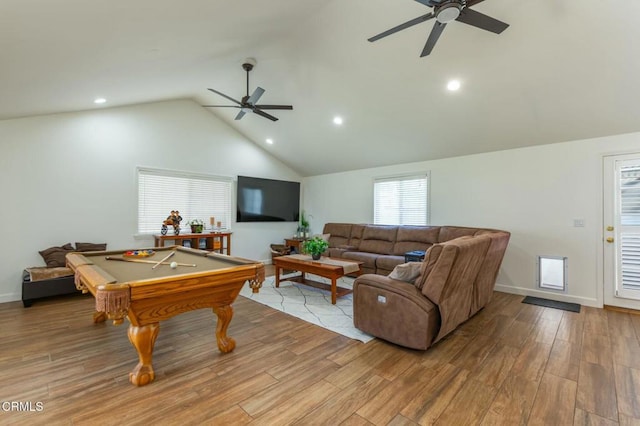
(383, 282)
(395, 311)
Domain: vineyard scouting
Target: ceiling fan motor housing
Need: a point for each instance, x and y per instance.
(248, 64)
(449, 11)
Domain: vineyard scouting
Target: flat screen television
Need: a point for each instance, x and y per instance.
(267, 200)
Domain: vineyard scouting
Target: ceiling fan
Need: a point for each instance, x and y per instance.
(248, 103)
(446, 11)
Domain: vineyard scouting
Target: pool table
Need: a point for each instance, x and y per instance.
(147, 292)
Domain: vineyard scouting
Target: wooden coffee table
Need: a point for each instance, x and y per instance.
(325, 267)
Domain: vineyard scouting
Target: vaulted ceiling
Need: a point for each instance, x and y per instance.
(563, 70)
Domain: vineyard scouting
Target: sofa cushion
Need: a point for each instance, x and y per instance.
(407, 272)
(378, 239)
(430, 259)
(430, 264)
(356, 236)
(369, 259)
(40, 273)
(486, 279)
(55, 257)
(339, 233)
(410, 238)
(91, 246)
(450, 283)
(385, 263)
(452, 232)
(336, 251)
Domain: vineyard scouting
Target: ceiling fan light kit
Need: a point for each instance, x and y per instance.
(444, 12)
(449, 12)
(249, 103)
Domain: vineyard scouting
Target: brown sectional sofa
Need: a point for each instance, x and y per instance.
(455, 280)
(382, 247)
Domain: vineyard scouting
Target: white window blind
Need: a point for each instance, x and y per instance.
(194, 196)
(630, 195)
(630, 227)
(401, 200)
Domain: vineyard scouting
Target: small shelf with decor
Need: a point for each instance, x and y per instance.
(294, 244)
(214, 241)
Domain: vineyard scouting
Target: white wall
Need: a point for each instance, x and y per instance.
(535, 193)
(72, 177)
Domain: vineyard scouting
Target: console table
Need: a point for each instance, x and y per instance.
(295, 244)
(212, 241)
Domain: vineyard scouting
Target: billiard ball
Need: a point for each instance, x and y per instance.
(174, 265)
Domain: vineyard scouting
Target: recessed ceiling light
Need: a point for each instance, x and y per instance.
(99, 100)
(269, 141)
(337, 120)
(453, 85)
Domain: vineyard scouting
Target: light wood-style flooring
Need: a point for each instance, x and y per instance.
(512, 364)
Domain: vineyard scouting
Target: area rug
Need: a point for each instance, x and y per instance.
(310, 304)
(565, 306)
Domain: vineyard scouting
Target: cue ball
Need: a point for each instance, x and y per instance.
(174, 265)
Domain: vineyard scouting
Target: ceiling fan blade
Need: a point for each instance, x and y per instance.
(255, 96)
(274, 106)
(437, 29)
(473, 2)
(264, 114)
(240, 114)
(482, 21)
(221, 106)
(400, 27)
(224, 96)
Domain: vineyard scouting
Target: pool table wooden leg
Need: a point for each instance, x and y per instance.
(224, 314)
(99, 317)
(143, 338)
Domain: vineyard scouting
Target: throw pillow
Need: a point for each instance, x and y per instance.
(54, 257)
(91, 246)
(407, 272)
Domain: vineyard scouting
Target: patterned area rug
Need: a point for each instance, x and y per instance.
(310, 304)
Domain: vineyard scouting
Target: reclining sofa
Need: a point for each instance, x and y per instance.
(453, 282)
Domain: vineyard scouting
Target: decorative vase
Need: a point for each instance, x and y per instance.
(197, 229)
(316, 256)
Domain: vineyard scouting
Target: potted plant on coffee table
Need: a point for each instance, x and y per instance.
(315, 247)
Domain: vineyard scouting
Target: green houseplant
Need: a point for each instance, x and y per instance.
(303, 229)
(197, 226)
(315, 247)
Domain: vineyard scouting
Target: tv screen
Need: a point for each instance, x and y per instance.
(267, 200)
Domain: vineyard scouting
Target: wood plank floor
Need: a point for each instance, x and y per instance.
(512, 364)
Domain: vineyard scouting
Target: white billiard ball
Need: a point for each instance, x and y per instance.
(174, 265)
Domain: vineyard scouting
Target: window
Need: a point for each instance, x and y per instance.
(401, 200)
(194, 196)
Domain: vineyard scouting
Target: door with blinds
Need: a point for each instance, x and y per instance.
(622, 230)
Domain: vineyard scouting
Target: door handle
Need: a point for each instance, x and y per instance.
(609, 228)
(610, 239)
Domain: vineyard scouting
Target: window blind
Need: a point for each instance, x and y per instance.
(401, 200)
(630, 195)
(630, 232)
(194, 196)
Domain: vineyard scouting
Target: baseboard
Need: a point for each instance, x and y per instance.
(584, 301)
(10, 297)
